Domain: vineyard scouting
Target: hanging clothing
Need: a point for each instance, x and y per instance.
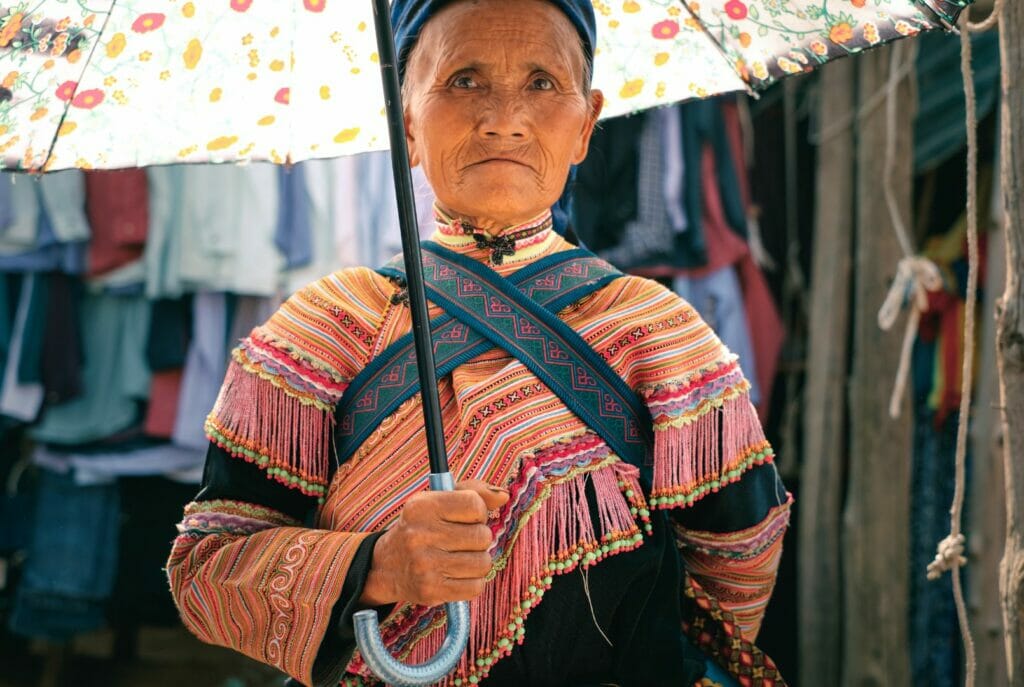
(17, 400)
(117, 205)
(270, 471)
(115, 377)
(213, 229)
(71, 560)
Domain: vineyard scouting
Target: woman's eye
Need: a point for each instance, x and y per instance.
(463, 82)
(542, 83)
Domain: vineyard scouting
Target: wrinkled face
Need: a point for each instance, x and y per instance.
(496, 110)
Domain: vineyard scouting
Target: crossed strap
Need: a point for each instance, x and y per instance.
(518, 314)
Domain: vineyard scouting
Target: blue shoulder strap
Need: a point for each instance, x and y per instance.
(469, 328)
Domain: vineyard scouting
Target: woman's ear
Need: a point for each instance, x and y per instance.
(410, 139)
(583, 145)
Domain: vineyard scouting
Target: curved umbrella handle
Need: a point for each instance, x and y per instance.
(390, 669)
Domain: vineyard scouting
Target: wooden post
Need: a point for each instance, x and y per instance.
(1010, 333)
(987, 520)
(875, 521)
(820, 599)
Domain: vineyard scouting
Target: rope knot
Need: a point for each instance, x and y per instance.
(949, 554)
(916, 275)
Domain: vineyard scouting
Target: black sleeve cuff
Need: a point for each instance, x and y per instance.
(738, 506)
(339, 642)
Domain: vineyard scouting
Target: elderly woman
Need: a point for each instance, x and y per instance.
(583, 566)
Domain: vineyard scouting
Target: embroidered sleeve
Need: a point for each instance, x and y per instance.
(276, 407)
(738, 569)
(706, 431)
(252, 579)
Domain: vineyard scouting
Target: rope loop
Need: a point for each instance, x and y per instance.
(916, 275)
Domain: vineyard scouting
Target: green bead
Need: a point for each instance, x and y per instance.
(629, 493)
(503, 642)
(547, 580)
(458, 682)
(480, 662)
(533, 589)
(511, 628)
(304, 484)
(519, 620)
(526, 605)
(473, 679)
(294, 479)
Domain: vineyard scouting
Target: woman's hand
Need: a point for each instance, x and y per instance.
(436, 551)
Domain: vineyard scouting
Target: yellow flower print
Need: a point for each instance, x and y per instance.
(276, 66)
(631, 88)
(9, 80)
(145, 56)
(254, 58)
(346, 135)
(325, 92)
(631, 6)
(165, 75)
(116, 45)
(247, 39)
(674, 11)
(66, 128)
(215, 95)
(660, 90)
(120, 97)
(38, 114)
(188, 10)
(222, 142)
(788, 66)
(661, 58)
(185, 152)
(871, 33)
(265, 121)
(110, 81)
(760, 71)
(193, 53)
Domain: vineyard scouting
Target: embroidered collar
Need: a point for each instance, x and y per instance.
(511, 242)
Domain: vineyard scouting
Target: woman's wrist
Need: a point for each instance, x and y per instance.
(378, 589)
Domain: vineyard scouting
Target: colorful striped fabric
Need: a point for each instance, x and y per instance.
(502, 425)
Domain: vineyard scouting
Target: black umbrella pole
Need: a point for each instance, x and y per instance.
(410, 239)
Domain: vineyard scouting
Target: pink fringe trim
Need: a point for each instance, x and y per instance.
(262, 424)
(703, 455)
(554, 538)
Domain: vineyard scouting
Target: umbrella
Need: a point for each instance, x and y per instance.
(118, 84)
(98, 83)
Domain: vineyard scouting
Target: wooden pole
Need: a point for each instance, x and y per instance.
(876, 517)
(1010, 332)
(820, 588)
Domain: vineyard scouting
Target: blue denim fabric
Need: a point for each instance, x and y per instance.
(72, 559)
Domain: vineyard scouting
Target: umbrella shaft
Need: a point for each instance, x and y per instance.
(410, 239)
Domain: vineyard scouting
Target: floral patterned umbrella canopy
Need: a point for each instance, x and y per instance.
(107, 84)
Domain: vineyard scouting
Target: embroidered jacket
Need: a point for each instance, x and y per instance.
(252, 579)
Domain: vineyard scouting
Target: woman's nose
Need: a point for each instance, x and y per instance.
(504, 117)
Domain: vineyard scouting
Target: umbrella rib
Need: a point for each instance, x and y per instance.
(67, 105)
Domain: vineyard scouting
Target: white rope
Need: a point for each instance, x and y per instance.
(915, 274)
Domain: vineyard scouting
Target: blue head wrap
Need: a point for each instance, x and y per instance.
(409, 16)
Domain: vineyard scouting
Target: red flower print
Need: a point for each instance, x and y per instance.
(241, 5)
(86, 100)
(314, 5)
(150, 21)
(66, 91)
(736, 10)
(665, 29)
(283, 96)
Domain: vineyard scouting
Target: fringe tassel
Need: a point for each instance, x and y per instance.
(694, 457)
(554, 539)
(288, 436)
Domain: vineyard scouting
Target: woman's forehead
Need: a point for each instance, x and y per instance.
(525, 34)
